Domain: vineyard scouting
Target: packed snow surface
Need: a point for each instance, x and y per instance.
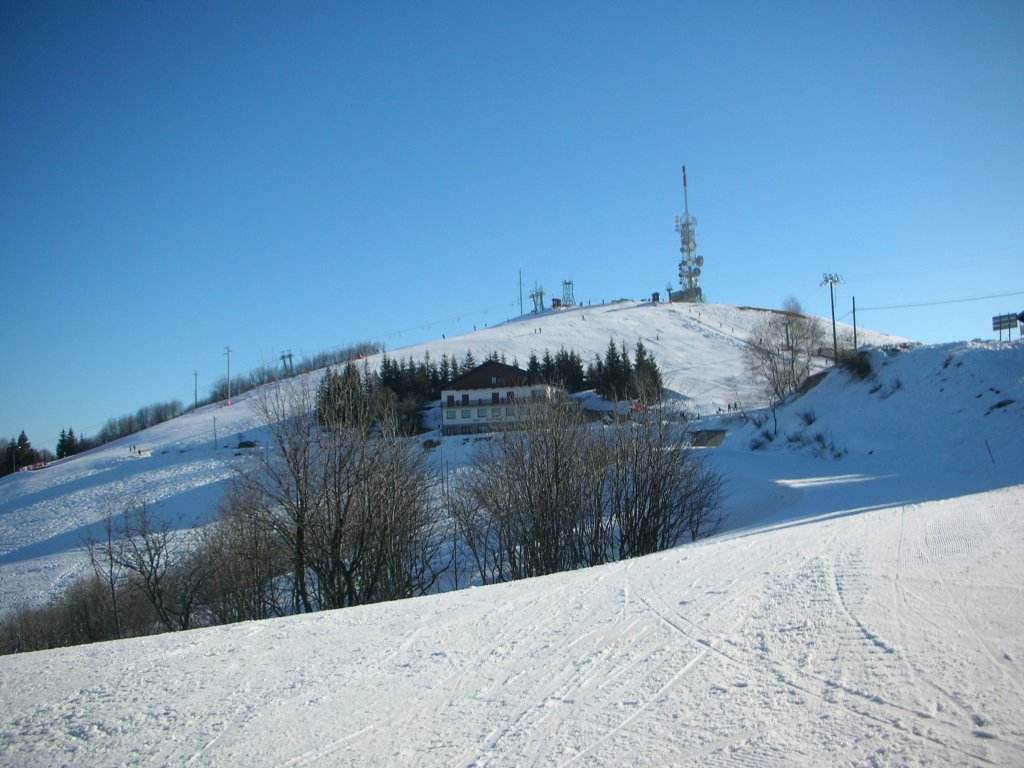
(864, 605)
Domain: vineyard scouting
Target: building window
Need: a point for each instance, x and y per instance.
(481, 413)
(465, 399)
(451, 415)
(495, 398)
(451, 401)
(466, 414)
(496, 413)
(510, 411)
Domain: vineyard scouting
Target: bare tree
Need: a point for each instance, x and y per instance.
(246, 561)
(529, 503)
(558, 493)
(350, 498)
(283, 488)
(160, 563)
(108, 573)
(781, 350)
(658, 491)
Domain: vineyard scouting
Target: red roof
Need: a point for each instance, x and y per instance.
(492, 374)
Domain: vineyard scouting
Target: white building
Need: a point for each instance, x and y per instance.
(489, 397)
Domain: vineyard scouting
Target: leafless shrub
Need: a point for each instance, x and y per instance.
(159, 563)
(557, 493)
(350, 501)
(781, 350)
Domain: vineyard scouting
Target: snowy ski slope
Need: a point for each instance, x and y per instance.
(863, 607)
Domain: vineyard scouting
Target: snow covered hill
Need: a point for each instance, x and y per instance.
(864, 606)
(46, 517)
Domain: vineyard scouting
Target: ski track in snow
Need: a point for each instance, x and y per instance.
(829, 643)
(865, 610)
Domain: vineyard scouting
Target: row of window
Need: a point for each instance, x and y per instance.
(535, 394)
(451, 414)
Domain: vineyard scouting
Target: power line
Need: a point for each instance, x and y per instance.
(945, 301)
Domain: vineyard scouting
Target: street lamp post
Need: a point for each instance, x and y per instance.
(227, 351)
(832, 280)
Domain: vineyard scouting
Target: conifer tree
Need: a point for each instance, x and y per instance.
(569, 370)
(445, 370)
(10, 462)
(25, 454)
(547, 368)
(647, 382)
(533, 365)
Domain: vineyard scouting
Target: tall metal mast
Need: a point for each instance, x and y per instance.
(690, 264)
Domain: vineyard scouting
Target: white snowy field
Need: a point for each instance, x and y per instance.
(889, 637)
(864, 605)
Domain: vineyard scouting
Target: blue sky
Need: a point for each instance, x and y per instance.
(180, 177)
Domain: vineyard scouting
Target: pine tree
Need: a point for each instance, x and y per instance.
(25, 454)
(533, 365)
(611, 380)
(9, 463)
(445, 371)
(547, 368)
(569, 370)
(647, 382)
(341, 398)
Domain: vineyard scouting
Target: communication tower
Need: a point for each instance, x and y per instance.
(538, 298)
(690, 264)
(568, 300)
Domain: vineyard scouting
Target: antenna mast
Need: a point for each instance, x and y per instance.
(690, 264)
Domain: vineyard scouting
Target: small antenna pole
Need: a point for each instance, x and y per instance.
(854, 323)
(520, 291)
(686, 200)
(227, 351)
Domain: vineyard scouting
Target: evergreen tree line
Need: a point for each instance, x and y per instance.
(18, 454)
(398, 387)
(406, 385)
(341, 509)
(616, 377)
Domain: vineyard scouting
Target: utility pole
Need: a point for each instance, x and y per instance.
(832, 280)
(227, 351)
(854, 323)
(195, 375)
(520, 291)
